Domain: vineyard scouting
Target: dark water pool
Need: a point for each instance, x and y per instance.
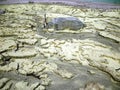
(104, 1)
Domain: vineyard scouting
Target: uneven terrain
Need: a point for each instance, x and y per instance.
(45, 59)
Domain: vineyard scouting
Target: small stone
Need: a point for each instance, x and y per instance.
(99, 25)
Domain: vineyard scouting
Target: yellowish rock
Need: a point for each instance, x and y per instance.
(114, 36)
(111, 14)
(6, 44)
(3, 81)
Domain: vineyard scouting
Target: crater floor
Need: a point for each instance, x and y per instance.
(32, 58)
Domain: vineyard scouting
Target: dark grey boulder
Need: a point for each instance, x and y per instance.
(2, 11)
(62, 23)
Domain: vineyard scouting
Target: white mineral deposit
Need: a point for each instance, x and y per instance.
(59, 45)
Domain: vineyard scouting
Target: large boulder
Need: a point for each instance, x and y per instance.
(62, 23)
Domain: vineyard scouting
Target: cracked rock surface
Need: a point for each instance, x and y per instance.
(46, 59)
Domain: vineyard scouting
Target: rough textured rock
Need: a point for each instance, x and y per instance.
(62, 23)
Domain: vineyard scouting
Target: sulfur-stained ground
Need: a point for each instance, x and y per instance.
(58, 60)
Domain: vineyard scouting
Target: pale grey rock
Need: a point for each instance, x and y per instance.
(62, 23)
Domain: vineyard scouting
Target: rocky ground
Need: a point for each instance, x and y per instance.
(36, 59)
(80, 3)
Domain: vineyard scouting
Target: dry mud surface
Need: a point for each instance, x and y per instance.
(59, 60)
